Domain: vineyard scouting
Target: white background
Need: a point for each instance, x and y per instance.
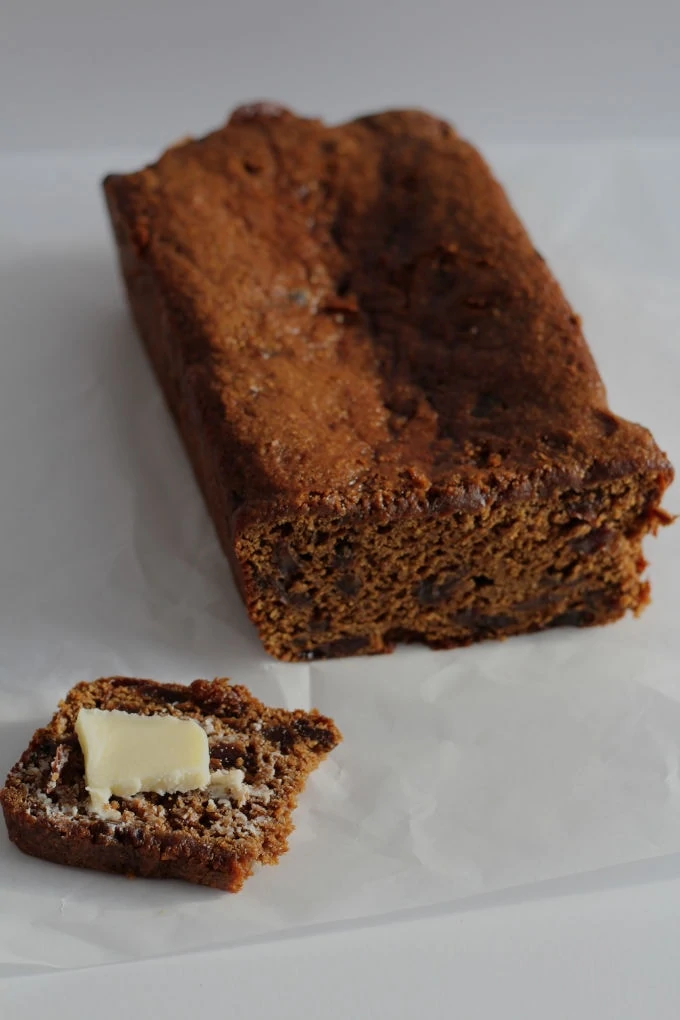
(101, 72)
(77, 75)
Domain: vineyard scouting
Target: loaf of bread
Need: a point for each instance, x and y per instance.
(199, 836)
(398, 427)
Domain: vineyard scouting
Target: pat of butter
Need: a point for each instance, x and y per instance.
(127, 754)
(228, 783)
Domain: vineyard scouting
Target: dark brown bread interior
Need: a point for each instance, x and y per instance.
(191, 835)
(395, 419)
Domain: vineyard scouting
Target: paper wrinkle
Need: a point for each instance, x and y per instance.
(461, 773)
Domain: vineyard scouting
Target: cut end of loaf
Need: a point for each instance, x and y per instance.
(325, 587)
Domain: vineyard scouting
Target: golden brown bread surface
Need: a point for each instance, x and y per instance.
(390, 406)
(192, 836)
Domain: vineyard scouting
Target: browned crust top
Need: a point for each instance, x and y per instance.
(365, 319)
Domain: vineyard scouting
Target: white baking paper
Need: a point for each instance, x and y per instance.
(461, 772)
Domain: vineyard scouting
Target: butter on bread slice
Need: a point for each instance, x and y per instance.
(212, 835)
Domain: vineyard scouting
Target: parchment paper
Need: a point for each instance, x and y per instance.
(461, 772)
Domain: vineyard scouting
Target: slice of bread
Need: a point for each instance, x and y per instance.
(198, 836)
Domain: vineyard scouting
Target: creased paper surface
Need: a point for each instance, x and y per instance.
(461, 772)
